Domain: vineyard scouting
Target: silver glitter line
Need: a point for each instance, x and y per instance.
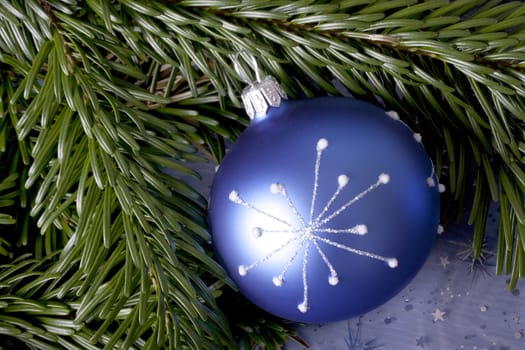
(316, 184)
(349, 203)
(292, 230)
(291, 260)
(292, 207)
(325, 258)
(430, 179)
(329, 204)
(355, 230)
(303, 307)
(353, 250)
(242, 202)
(271, 254)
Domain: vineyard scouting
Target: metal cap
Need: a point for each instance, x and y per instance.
(261, 94)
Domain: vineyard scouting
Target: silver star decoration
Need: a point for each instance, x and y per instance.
(438, 315)
(443, 261)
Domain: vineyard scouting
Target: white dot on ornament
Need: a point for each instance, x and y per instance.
(257, 232)
(362, 229)
(302, 307)
(242, 270)
(431, 182)
(392, 262)
(322, 144)
(342, 180)
(440, 229)
(442, 188)
(393, 115)
(384, 178)
(418, 137)
(234, 197)
(333, 280)
(277, 281)
(276, 188)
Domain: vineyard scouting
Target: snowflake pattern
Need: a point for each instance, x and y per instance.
(308, 233)
(355, 339)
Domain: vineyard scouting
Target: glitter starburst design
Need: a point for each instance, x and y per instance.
(312, 233)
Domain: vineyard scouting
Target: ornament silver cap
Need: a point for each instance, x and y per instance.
(261, 94)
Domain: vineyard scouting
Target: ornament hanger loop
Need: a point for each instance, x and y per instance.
(241, 72)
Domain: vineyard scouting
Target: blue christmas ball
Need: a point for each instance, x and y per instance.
(324, 209)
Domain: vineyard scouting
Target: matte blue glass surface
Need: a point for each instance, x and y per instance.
(280, 256)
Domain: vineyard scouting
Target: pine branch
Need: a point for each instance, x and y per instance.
(97, 146)
(98, 99)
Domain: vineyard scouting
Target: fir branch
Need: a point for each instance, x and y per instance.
(71, 114)
(46, 7)
(96, 101)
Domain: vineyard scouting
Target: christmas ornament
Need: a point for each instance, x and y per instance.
(324, 208)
